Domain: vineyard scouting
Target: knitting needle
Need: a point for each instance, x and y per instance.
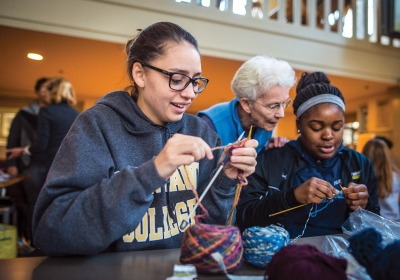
(286, 210)
(295, 207)
(224, 146)
(185, 223)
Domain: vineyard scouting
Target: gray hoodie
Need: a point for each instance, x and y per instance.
(103, 192)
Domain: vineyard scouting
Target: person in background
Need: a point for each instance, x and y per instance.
(53, 123)
(319, 176)
(23, 132)
(261, 86)
(122, 179)
(395, 164)
(387, 175)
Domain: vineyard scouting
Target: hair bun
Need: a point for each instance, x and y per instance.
(312, 78)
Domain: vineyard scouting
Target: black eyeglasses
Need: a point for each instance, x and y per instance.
(179, 81)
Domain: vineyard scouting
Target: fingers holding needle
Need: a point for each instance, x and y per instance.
(185, 223)
(224, 146)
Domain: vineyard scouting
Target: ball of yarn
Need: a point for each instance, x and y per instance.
(201, 240)
(365, 246)
(261, 243)
(305, 262)
(381, 263)
(387, 264)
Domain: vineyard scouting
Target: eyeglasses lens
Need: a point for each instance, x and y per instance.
(180, 82)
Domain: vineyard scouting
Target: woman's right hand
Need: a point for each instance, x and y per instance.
(314, 190)
(16, 152)
(180, 150)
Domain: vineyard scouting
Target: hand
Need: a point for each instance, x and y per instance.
(15, 152)
(12, 171)
(180, 150)
(241, 159)
(314, 190)
(277, 142)
(356, 195)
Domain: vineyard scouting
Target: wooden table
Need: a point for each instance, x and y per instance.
(10, 182)
(143, 265)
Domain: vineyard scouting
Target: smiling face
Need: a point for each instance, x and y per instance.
(262, 116)
(157, 101)
(321, 130)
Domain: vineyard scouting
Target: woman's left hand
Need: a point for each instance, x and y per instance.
(241, 159)
(356, 195)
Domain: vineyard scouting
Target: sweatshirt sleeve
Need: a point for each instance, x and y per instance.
(83, 206)
(263, 196)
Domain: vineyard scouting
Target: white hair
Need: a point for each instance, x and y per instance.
(259, 74)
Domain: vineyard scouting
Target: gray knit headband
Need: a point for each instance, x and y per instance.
(323, 98)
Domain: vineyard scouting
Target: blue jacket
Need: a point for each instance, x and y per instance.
(225, 118)
(279, 171)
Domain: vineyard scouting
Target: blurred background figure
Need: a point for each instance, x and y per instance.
(23, 133)
(261, 86)
(387, 174)
(53, 123)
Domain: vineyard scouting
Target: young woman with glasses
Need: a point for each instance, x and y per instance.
(123, 177)
(310, 185)
(261, 86)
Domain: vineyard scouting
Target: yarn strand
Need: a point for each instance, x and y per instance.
(242, 182)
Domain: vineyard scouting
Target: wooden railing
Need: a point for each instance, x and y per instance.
(309, 34)
(353, 19)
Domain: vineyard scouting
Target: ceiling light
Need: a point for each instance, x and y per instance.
(35, 56)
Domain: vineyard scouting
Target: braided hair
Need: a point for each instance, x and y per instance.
(311, 85)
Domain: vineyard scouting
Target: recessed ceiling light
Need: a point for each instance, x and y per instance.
(35, 56)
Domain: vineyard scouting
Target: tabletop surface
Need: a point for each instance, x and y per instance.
(12, 181)
(152, 264)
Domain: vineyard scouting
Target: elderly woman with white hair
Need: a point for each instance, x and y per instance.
(261, 86)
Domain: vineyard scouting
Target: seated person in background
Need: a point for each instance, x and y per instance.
(261, 86)
(122, 179)
(388, 185)
(309, 172)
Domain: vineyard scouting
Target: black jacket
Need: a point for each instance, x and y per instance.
(271, 189)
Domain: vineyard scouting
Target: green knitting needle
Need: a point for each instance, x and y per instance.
(185, 223)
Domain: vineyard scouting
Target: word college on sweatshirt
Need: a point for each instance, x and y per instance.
(151, 228)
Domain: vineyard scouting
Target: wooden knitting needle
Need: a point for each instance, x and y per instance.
(223, 147)
(295, 207)
(289, 209)
(185, 223)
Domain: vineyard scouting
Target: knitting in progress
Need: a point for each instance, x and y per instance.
(200, 241)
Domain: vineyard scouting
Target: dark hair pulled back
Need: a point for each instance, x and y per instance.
(151, 42)
(313, 84)
(39, 83)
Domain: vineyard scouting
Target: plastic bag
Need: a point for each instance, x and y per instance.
(362, 219)
(359, 220)
(337, 246)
